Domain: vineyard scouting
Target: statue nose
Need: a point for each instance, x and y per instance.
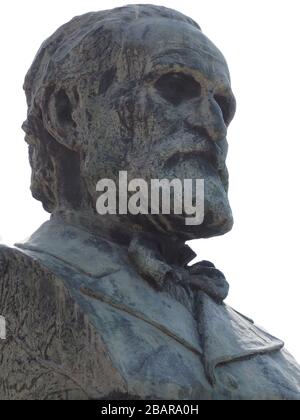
(207, 120)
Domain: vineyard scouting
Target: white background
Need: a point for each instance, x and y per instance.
(260, 39)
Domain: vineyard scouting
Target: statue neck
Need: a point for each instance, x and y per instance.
(121, 230)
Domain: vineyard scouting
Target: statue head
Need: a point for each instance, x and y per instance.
(138, 89)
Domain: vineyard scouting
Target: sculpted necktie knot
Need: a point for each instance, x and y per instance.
(203, 276)
(206, 277)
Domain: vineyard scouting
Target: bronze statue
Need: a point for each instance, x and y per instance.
(101, 307)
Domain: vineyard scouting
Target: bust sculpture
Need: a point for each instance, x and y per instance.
(106, 306)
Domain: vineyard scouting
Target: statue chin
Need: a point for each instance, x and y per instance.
(214, 224)
(218, 218)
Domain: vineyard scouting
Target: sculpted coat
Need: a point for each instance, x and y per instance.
(83, 324)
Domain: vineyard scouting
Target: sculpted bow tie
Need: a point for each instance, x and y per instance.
(151, 265)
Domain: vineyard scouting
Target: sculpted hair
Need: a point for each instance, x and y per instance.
(87, 45)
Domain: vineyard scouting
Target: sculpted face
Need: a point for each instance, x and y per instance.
(137, 89)
(166, 109)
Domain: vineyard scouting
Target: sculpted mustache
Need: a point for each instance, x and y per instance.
(204, 148)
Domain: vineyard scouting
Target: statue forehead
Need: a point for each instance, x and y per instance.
(167, 42)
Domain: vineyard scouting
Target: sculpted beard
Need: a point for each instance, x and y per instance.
(167, 152)
(171, 151)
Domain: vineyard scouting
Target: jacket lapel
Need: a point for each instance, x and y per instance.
(228, 336)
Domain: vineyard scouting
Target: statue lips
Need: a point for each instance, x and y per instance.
(209, 152)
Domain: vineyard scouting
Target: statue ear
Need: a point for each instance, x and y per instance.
(58, 117)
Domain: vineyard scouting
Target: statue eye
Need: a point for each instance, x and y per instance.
(177, 87)
(227, 106)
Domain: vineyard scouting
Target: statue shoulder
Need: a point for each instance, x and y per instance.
(4, 253)
(7, 254)
(50, 334)
(12, 259)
